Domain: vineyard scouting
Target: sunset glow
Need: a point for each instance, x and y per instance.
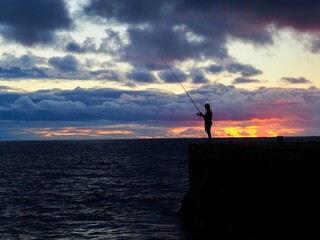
(76, 132)
(255, 128)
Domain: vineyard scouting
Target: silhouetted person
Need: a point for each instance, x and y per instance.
(207, 120)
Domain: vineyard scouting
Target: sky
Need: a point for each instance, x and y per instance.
(90, 69)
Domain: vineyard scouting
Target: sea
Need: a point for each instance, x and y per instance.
(95, 189)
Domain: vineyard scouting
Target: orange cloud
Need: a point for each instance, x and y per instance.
(252, 128)
(193, 130)
(256, 128)
(78, 132)
(220, 129)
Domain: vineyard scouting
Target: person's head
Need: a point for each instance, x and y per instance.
(207, 106)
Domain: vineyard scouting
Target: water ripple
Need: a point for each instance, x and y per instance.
(112, 189)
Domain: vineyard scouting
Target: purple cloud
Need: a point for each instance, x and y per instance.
(141, 108)
(300, 80)
(167, 76)
(199, 29)
(245, 70)
(228, 103)
(214, 68)
(240, 80)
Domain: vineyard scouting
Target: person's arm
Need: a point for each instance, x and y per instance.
(200, 114)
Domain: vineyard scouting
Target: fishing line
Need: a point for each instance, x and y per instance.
(178, 81)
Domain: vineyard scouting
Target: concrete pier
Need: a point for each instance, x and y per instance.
(253, 191)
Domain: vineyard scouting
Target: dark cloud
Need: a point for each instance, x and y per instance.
(167, 76)
(197, 29)
(240, 80)
(69, 67)
(175, 29)
(110, 44)
(86, 105)
(300, 80)
(5, 88)
(33, 21)
(68, 63)
(15, 73)
(29, 66)
(214, 68)
(127, 11)
(105, 75)
(89, 45)
(228, 103)
(155, 26)
(171, 42)
(314, 43)
(142, 77)
(24, 103)
(25, 61)
(245, 70)
(303, 17)
(75, 47)
(24, 66)
(56, 108)
(199, 78)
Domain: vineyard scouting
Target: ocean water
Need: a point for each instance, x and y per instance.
(95, 189)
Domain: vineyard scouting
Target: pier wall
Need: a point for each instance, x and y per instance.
(253, 189)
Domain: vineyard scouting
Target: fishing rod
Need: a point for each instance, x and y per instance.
(179, 81)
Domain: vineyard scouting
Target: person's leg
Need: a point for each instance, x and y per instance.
(208, 131)
(209, 136)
